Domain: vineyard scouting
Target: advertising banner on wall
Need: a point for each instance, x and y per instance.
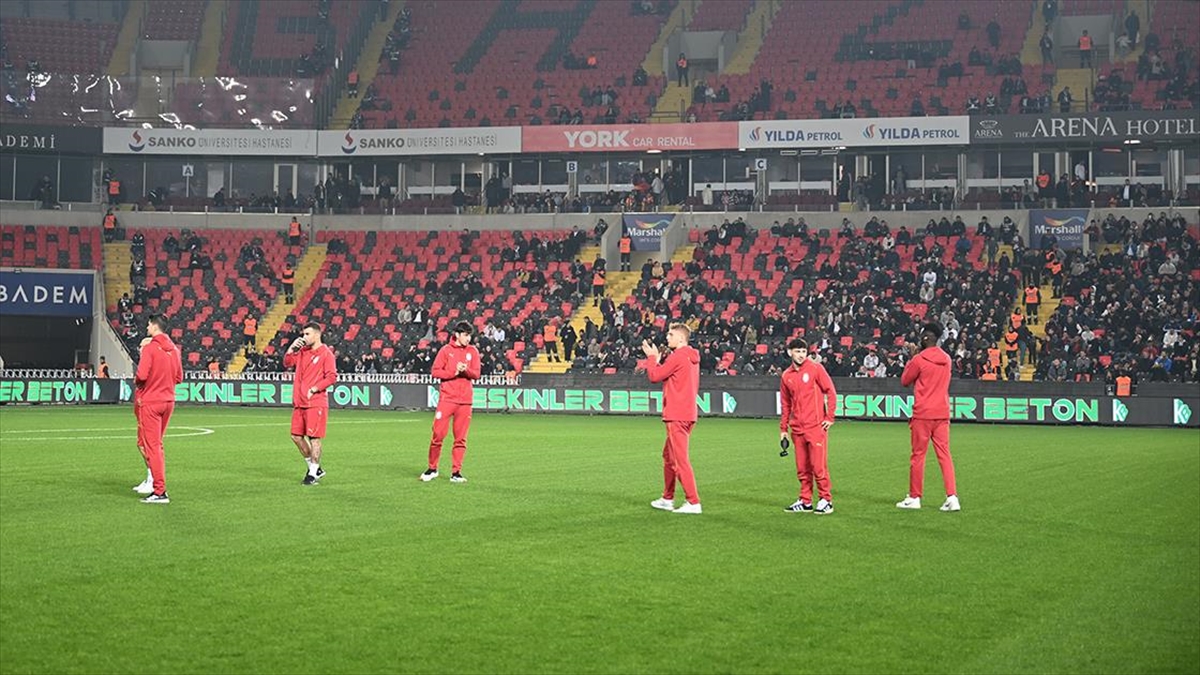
(891, 131)
(1009, 404)
(1065, 224)
(645, 230)
(1141, 125)
(630, 137)
(42, 293)
(264, 142)
(448, 141)
(41, 139)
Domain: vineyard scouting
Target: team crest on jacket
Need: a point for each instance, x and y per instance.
(804, 378)
(468, 357)
(315, 359)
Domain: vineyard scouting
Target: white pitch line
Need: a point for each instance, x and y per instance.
(196, 431)
(4, 433)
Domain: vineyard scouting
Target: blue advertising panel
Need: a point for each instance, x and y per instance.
(646, 229)
(1066, 225)
(41, 293)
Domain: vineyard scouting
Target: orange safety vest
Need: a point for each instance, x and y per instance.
(550, 333)
(597, 279)
(289, 277)
(214, 368)
(103, 372)
(1031, 295)
(625, 244)
(293, 229)
(682, 62)
(1017, 320)
(1085, 43)
(114, 187)
(110, 222)
(1043, 180)
(353, 78)
(1124, 385)
(591, 60)
(994, 357)
(251, 327)
(1010, 339)
(1055, 267)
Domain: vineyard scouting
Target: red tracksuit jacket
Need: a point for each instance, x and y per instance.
(929, 370)
(680, 375)
(456, 387)
(159, 370)
(315, 369)
(806, 396)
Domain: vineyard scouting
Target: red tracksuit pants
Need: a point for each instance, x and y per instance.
(922, 432)
(461, 412)
(677, 466)
(152, 421)
(812, 462)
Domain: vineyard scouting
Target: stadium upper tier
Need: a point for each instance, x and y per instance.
(297, 63)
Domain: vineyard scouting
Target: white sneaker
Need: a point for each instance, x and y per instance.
(952, 504)
(688, 507)
(144, 488)
(823, 507)
(663, 504)
(909, 503)
(429, 475)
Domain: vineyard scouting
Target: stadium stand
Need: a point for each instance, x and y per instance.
(49, 246)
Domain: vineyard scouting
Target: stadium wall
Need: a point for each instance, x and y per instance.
(1154, 405)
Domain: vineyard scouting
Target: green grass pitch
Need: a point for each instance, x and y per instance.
(1077, 551)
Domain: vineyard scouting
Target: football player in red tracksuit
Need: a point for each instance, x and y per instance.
(316, 371)
(807, 400)
(680, 374)
(456, 365)
(929, 374)
(159, 370)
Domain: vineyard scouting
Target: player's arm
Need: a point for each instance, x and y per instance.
(442, 369)
(177, 368)
(825, 384)
(290, 358)
(145, 365)
(785, 405)
(661, 371)
(909, 376)
(328, 375)
(474, 367)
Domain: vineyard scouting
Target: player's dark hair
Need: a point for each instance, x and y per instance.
(313, 325)
(797, 344)
(464, 327)
(160, 320)
(933, 329)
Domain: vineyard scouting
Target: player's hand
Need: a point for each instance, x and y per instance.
(651, 351)
(912, 348)
(297, 344)
(145, 341)
(312, 391)
(825, 424)
(783, 436)
(461, 367)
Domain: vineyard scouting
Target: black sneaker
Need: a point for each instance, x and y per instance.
(429, 475)
(154, 498)
(457, 477)
(799, 507)
(309, 479)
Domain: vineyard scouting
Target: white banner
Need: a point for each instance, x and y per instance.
(834, 133)
(132, 141)
(446, 141)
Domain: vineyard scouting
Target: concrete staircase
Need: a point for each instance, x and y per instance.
(1078, 79)
(618, 286)
(672, 104)
(367, 67)
(1142, 7)
(1046, 309)
(678, 19)
(268, 326)
(117, 259)
(127, 39)
(208, 47)
(750, 39)
(1031, 51)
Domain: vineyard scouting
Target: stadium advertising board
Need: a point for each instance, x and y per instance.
(1066, 225)
(449, 141)
(891, 131)
(42, 293)
(1141, 125)
(242, 142)
(34, 138)
(1174, 406)
(646, 229)
(630, 137)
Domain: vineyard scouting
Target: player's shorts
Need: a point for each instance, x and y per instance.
(309, 422)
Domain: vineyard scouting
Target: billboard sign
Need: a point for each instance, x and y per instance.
(1117, 127)
(826, 133)
(259, 142)
(44, 293)
(448, 141)
(1066, 225)
(630, 137)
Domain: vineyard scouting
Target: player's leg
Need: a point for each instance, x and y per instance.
(941, 447)
(151, 420)
(818, 459)
(920, 445)
(669, 475)
(299, 439)
(441, 425)
(315, 421)
(803, 467)
(680, 433)
(462, 426)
